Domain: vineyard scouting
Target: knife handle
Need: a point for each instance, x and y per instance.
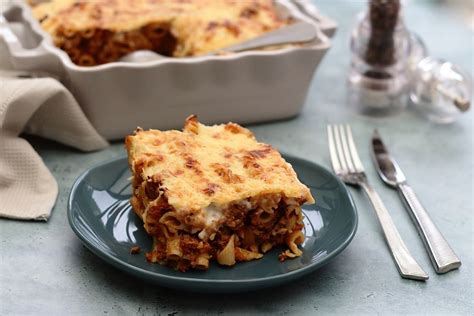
(441, 254)
(406, 264)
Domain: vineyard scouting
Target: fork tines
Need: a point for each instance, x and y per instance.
(342, 149)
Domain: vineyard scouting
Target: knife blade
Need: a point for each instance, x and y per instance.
(441, 254)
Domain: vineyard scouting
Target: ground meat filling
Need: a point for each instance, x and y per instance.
(266, 227)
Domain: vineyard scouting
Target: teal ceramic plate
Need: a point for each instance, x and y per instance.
(101, 216)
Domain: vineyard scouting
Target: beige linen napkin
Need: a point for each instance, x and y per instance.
(44, 107)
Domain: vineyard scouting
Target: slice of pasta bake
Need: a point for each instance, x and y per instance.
(214, 193)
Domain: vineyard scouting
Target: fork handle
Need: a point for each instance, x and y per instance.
(406, 264)
(441, 254)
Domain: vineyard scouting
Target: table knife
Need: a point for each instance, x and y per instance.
(441, 254)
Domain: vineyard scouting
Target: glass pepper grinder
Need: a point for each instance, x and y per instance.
(380, 47)
(440, 90)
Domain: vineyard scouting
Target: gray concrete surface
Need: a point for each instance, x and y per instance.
(45, 270)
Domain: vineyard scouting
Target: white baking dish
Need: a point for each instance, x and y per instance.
(245, 87)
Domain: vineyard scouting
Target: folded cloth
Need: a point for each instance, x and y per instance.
(44, 107)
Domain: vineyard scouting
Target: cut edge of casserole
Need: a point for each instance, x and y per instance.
(214, 192)
(102, 31)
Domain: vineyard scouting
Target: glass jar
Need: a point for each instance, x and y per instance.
(441, 90)
(380, 46)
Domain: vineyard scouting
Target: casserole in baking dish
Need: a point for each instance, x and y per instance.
(102, 31)
(245, 87)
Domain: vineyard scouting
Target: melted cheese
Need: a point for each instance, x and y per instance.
(213, 214)
(204, 169)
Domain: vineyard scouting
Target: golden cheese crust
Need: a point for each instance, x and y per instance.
(206, 165)
(186, 27)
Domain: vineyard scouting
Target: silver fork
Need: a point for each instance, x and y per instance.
(348, 167)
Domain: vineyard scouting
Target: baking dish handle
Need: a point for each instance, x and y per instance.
(22, 58)
(327, 25)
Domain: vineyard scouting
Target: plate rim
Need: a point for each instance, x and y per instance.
(156, 276)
